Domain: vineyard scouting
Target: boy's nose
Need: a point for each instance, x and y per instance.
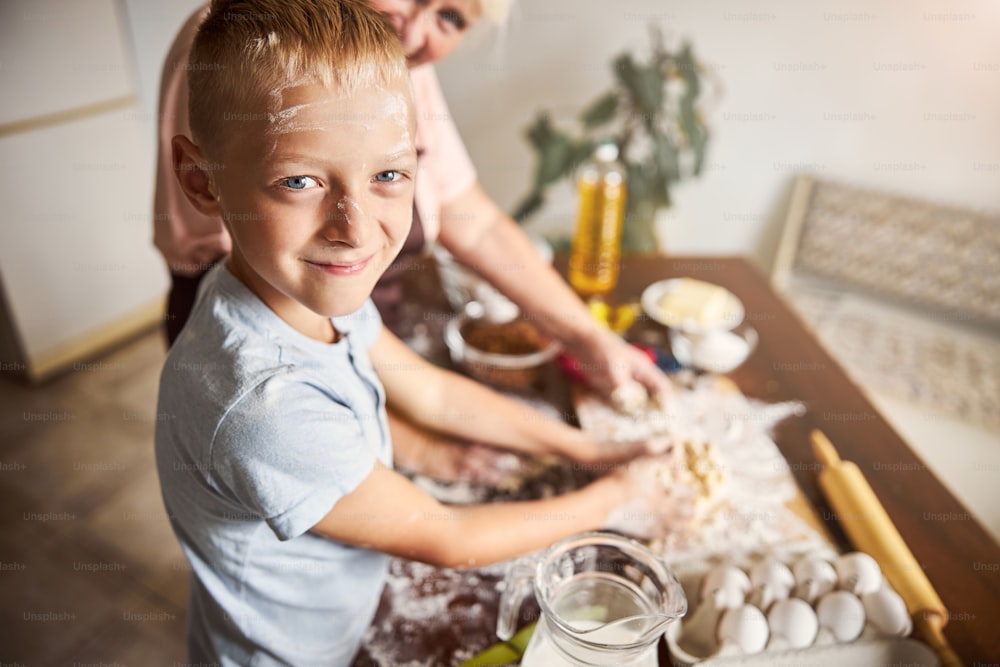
(347, 223)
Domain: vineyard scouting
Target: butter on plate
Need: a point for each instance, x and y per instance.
(691, 300)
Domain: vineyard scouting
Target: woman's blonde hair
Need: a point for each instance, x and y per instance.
(249, 51)
(495, 11)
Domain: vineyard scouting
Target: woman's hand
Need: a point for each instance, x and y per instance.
(620, 372)
(476, 231)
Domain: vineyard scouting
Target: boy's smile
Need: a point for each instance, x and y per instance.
(318, 198)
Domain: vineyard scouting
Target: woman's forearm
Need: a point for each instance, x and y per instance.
(479, 234)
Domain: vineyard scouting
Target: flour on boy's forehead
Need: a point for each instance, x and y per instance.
(286, 119)
(398, 108)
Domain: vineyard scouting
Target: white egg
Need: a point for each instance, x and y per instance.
(814, 577)
(731, 583)
(773, 572)
(858, 573)
(887, 612)
(771, 580)
(842, 614)
(745, 628)
(793, 620)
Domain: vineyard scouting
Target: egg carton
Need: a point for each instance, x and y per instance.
(909, 652)
(815, 610)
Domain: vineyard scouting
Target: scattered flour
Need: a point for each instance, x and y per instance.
(744, 480)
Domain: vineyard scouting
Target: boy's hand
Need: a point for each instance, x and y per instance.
(450, 461)
(615, 451)
(487, 466)
(656, 503)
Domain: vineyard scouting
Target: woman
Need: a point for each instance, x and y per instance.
(450, 205)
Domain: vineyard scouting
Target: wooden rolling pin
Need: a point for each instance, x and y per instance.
(871, 530)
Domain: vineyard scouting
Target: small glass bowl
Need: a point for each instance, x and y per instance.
(716, 350)
(507, 371)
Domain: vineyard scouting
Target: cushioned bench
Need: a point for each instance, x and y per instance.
(904, 293)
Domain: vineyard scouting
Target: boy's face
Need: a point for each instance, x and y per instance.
(319, 198)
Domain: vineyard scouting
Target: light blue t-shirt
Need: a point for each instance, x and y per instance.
(263, 429)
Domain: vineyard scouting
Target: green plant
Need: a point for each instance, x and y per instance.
(652, 112)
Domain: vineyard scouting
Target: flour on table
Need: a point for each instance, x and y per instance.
(425, 608)
(742, 481)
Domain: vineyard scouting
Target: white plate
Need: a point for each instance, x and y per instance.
(650, 301)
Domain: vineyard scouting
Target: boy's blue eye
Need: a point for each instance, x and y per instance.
(298, 182)
(388, 176)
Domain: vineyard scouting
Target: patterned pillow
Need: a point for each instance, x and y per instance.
(944, 258)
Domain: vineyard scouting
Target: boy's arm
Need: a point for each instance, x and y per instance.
(390, 514)
(457, 406)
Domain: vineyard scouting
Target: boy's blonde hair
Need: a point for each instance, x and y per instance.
(248, 51)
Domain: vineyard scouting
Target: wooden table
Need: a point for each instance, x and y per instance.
(960, 558)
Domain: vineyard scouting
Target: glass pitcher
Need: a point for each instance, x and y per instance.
(604, 599)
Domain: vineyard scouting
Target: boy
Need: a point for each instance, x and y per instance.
(276, 466)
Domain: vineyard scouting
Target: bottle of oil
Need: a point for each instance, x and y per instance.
(596, 251)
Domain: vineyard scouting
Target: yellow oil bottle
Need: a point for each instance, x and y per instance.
(595, 256)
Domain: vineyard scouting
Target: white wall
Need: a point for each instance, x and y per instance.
(893, 94)
(75, 232)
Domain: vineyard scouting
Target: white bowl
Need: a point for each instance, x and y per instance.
(716, 351)
(733, 311)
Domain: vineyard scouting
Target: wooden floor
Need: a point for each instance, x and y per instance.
(90, 572)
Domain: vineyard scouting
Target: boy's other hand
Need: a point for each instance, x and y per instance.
(617, 451)
(485, 466)
(656, 504)
(419, 451)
